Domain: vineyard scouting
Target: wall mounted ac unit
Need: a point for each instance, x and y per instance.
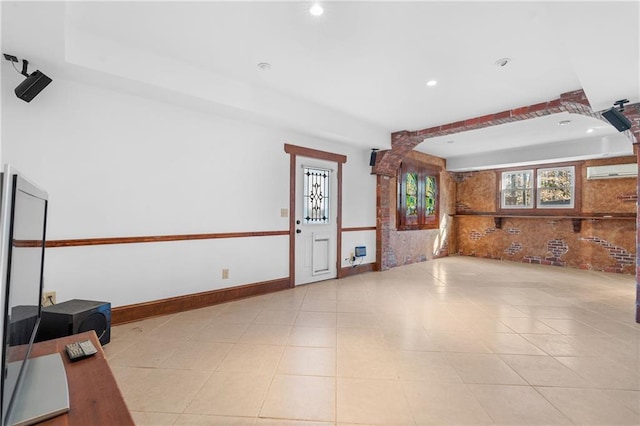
(613, 171)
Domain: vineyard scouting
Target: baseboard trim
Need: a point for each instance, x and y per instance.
(355, 270)
(172, 305)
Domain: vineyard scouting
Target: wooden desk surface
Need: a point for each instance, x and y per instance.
(94, 397)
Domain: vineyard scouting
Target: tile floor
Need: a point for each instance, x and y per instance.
(450, 341)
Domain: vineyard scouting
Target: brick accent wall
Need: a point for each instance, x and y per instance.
(604, 245)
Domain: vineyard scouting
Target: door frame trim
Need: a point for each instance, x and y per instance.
(294, 151)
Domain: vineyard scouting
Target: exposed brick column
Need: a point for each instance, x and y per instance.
(383, 222)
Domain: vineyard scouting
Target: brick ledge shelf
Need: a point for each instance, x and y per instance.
(576, 219)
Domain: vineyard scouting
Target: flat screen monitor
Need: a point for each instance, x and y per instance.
(23, 220)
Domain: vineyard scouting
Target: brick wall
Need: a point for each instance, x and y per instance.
(605, 245)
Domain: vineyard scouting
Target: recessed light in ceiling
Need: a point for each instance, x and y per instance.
(564, 122)
(502, 62)
(316, 9)
(431, 83)
(591, 130)
(264, 66)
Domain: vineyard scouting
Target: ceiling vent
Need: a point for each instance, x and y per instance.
(613, 171)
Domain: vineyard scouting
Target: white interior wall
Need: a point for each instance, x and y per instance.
(117, 165)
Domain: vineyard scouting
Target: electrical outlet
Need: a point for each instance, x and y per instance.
(225, 274)
(48, 298)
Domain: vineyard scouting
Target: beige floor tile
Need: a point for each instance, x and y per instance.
(605, 373)
(544, 371)
(411, 339)
(316, 319)
(301, 398)
(569, 327)
(313, 336)
(238, 315)
(138, 329)
(354, 306)
(208, 420)
(444, 404)
(357, 320)
(559, 345)
(590, 406)
(528, 326)
(257, 359)
(284, 304)
(146, 352)
(508, 343)
(440, 322)
(355, 338)
(428, 366)
(517, 405)
(282, 422)
(308, 361)
(276, 317)
(379, 402)
(484, 368)
(220, 332)
(128, 378)
(166, 391)
(117, 346)
(141, 418)
(203, 356)
(266, 334)
(231, 394)
(366, 363)
(319, 305)
(456, 341)
(629, 399)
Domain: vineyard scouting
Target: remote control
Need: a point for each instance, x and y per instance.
(79, 350)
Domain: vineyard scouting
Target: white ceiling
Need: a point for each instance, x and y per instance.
(358, 72)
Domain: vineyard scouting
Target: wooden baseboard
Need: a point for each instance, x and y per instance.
(355, 270)
(172, 305)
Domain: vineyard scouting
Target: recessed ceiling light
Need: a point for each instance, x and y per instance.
(431, 83)
(502, 62)
(264, 66)
(316, 9)
(564, 122)
(591, 130)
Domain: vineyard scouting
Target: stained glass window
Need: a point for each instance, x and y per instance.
(417, 197)
(316, 195)
(430, 194)
(412, 194)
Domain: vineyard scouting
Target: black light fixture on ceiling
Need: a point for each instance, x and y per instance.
(615, 116)
(33, 84)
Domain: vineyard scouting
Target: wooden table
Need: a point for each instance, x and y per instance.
(94, 397)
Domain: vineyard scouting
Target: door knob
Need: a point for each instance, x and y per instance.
(298, 222)
(298, 231)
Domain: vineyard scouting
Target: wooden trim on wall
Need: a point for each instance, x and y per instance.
(339, 224)
(314, 153)
(172, 305)
(359, 228)
(359, 269)
(159, 238)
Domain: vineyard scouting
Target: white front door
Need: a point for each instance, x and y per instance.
(316, 220)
